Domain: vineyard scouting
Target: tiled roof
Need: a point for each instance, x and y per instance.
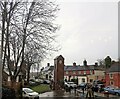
(48, 68)
(114, 68)
(78, 67)
(74, 68)
(51, 68)
(59, 56)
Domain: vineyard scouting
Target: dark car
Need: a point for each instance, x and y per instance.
(100, 87)
(46, 82)
(95, 88)
(95, 82)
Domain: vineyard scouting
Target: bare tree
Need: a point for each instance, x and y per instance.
(101, 62)
(27, 32)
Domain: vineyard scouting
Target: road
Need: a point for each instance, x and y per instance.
(61, 94)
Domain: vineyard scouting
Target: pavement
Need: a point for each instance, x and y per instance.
(62, 94)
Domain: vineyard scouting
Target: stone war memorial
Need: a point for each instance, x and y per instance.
(58, 72)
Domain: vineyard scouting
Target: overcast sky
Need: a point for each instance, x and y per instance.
(89, 30)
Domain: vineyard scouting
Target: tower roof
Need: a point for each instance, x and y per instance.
(60, 56)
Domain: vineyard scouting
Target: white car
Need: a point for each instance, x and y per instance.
(70, 84)
(29, 93)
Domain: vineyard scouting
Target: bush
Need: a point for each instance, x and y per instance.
(8, 93)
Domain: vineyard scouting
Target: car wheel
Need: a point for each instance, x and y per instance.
(117, 94)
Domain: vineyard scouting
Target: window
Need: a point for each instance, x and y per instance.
(84, 72)
(66, 72)
(91, 80)
(79, 72)
(83, 79)
(91, 72)
(111, 82)
(74, 72)
(111, 75)
(97, 77)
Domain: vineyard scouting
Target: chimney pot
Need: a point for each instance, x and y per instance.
(74, 64)
(85, 63)
(96, 64)
(48, 64)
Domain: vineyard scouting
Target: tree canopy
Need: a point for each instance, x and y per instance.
(28, 32)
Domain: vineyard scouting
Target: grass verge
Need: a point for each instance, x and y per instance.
(41, 88)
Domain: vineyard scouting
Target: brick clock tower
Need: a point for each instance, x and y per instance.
(58, 72)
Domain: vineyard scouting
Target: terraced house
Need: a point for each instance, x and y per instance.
(112, 76)
(84, 73)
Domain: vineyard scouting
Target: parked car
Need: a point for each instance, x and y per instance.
(117, 91)
(95, 82)
(39, 81)
(32, 83)
(46, 81)
(99, 87)
(110, 90)
(29, 93)
(82, 85)
(70, 84)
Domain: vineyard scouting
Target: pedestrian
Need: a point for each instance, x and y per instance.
(101, 88)
(96, 88)
(83, 90)
(93, 89)
(90, 94)
(69, 89)
(85, 86)
(75, 90)
(66, 88)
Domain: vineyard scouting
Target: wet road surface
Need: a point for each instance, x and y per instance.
(62, 94)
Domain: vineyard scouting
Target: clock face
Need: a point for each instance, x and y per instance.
(60, 61)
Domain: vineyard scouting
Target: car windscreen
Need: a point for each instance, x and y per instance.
(117, 89)
(70, 83)
(28, 90)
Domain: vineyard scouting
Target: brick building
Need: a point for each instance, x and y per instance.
(85, 73)
(112, 76)
(58, 72)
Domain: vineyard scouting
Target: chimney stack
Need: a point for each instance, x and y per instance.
(85, 63)
(48, 64)
(96, 64)
(74, 64)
